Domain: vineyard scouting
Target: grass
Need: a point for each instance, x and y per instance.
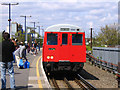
(88, 48)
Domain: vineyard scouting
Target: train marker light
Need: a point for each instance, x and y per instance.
(48, 57)
(51, 57)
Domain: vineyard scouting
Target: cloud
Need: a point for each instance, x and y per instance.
(90, 24)
(77, 18)
(60, 1)
(96, 11)
(48, 18)
(50, 6)
(1, 15)
(11, 1)
(109, 17)
(99, 0)
(49, 12)
(91, 17)
(68, 1)
(114, 7)
(63, 6)
(103, 19)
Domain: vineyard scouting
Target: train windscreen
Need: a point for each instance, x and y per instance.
(77, 39)
(52, 39)
(64, 39)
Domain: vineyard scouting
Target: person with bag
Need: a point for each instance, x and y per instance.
(19, 54)
(28, 49)
(7, 61)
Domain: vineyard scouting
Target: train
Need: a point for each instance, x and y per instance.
(64, 48)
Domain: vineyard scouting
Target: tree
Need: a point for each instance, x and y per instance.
(0, 36)
(107, 36)
(118, 37)
(20, 36)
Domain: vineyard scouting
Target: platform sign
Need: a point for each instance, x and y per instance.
(72, 29)
(64, 29)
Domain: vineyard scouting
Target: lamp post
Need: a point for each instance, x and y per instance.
(25, 28)
(31, 33)
(34, 28)
(39, 28)
(9, 12)
(39, 36)
(42, 33)
(91, 37)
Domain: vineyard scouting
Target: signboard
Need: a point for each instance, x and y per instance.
(64, 29)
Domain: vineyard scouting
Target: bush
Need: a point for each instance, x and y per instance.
(88, 48)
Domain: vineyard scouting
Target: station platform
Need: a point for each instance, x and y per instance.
(29, 78)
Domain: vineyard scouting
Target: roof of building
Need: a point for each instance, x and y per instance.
(63, 28)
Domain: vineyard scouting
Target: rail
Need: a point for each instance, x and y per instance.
(86, 83)
(69, 85)
(55, 84)
(80, 82)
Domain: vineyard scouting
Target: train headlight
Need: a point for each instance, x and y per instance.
(48, 57)
(51, 57)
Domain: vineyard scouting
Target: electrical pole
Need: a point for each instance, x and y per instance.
(34, 29)
(9, 13)
(42, 33)
(91, 37)
(25, 29)
(39, 36)
(39, 27)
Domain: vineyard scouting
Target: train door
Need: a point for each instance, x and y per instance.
(64, 47)
(77, 47)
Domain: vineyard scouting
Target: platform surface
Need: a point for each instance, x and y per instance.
(33, 77)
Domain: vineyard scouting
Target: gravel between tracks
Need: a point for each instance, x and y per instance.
(102, 78)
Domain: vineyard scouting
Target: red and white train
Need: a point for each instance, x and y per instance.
(64, 48)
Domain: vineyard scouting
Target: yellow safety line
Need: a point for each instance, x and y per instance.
(37, 71)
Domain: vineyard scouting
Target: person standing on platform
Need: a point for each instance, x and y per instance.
(7, 61)
(39, 45)
(28, 49)
(20, 53)
(35, 46)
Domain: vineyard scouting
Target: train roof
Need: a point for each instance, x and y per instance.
(64, 28)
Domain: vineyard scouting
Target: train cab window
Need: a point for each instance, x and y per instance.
(64, 39)
(77, 39)
(52, 39)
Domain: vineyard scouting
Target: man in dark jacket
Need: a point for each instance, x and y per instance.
(7, 61)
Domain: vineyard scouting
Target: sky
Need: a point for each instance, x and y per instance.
(83, 13)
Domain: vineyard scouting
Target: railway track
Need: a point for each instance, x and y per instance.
(77, 83)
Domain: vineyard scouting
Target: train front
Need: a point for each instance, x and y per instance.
(64, 48)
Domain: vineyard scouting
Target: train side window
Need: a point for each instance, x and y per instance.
(64, 39)
(52, 39)
(77, 39)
